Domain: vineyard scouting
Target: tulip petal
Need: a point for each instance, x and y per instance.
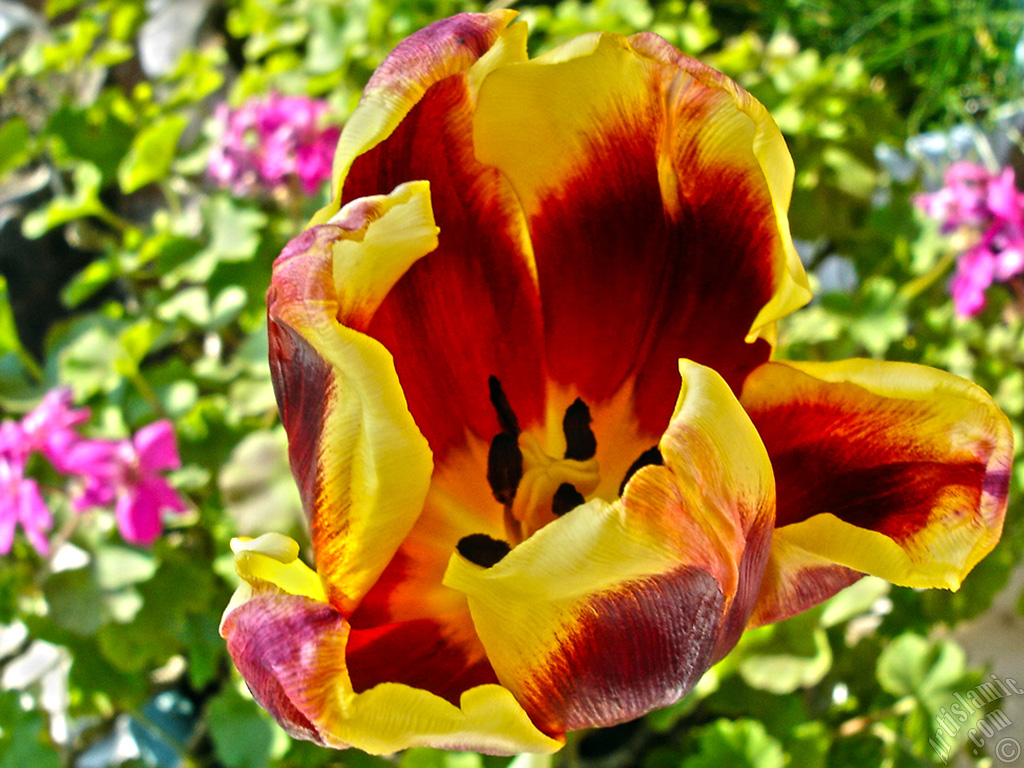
(292, 649)
(669, 562)
(891, 469)
(362, 466)
(476, 295)
(444, 48)
(655, 194)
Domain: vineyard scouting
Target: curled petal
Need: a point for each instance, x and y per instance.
(291, 649)
(892, 469)
(361, 464)
(615, 609)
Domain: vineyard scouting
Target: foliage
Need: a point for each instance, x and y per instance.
(140, 284)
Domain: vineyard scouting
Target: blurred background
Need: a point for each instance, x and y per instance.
(138, 223)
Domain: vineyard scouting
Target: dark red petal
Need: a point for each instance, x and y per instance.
(470, 309)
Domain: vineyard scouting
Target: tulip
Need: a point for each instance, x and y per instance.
(523, 359)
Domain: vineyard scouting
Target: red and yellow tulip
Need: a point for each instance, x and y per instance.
(523, 359)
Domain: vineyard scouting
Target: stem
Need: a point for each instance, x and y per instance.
(140, 383)
(857, 724)
(919, 285)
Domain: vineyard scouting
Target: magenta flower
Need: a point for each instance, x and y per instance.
(268, 142)
(20, 500)
(974, 273)
(988, 211)
(126, 473)
(50, 427)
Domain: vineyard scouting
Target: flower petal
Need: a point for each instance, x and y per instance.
(892, 469)
(671, 561)
(157, 447)
(362, 466)
(444, 48)
(292, 650)
(655, 193)
(482, 269)
(138, 517)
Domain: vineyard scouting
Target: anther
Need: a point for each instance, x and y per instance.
(566, 498)
(506, 416)
(504, 467)
(481, 549)
(580, 443)
(647, 458)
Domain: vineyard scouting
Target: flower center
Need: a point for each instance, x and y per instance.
(533, 486)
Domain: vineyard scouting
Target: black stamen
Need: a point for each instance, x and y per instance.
(481, 549)
(566, 498)
(506, 416)
(504, 467)
(647, 458)
(580, 443)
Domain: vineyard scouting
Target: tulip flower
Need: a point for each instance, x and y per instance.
(523, 359)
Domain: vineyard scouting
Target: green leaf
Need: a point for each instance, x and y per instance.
(75, 601)
(10, 343)
(864, 749)
(235, 233)
(23, 738)
(206, 649)
(786, 656)
(242, 736)
(737, 744)
(930, 671)
(89, 281)
(136, 341)
(95, 136)
(118, 566)
(83, 202)
(855, 600)
(426, 757)
(234, 229)
(14, 139)
(258, 487)
(152, 151)
(87, 358)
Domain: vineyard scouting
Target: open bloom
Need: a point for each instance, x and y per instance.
(987, 213)
(51, 427)
(21, 503)
(523, 361)
(266, 142)
(127, 473)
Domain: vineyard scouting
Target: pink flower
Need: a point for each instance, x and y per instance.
(20, 500)
(975, 271)
(990, 211)
(1002, 199)
(962, 199)
(126, 473)
(267, 142)
(49, 427)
